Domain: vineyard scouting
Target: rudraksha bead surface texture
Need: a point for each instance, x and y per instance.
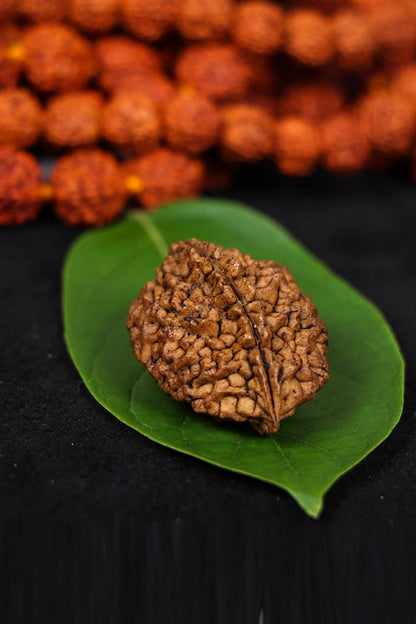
(233, 336)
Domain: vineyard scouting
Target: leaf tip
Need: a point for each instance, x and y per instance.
(312, 505)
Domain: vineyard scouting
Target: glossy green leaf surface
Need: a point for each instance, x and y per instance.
(359, 406)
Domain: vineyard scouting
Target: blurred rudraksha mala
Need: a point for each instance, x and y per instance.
(210, 86)
(233, 336)
(89, 187)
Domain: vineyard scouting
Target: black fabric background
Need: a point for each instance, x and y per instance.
(99, 524)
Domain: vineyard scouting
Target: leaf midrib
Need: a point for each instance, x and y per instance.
(274, 416)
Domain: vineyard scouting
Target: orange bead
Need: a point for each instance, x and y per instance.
(345, 147)
(21, 118)
(73, 119)
(58, 58)
(354, 40)
(88, 188)
(131, 123)
(42, 10)
(191, 122)
(308, 37)
(247, 133)
(205, 19)
(216, 70)
(94, 16)
(394, 28)
(297, 146)
(20, 180)
(258, 26)
(389, 122)
(120, 59)
(166, 176)
(149, 21)
(153, 85)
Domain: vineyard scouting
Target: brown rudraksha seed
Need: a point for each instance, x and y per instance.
(20, 186)
(191, 122)
(258, 26)
(247, 133)
(166, 175)
(120, 58)
(308, 37)
(149, 20)
(345, 147)
(233, 336)
(21, 118)
(94, 16)
(88, 188)
(57, 59)
(204, 19)
(131, 123)
(73, 119)
(216, 70)
(297, 146)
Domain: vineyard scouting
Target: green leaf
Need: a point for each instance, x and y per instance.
(356, 410)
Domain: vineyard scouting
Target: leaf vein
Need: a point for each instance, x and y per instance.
(152, 231)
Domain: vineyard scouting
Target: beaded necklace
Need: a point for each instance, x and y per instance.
(151, 102)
